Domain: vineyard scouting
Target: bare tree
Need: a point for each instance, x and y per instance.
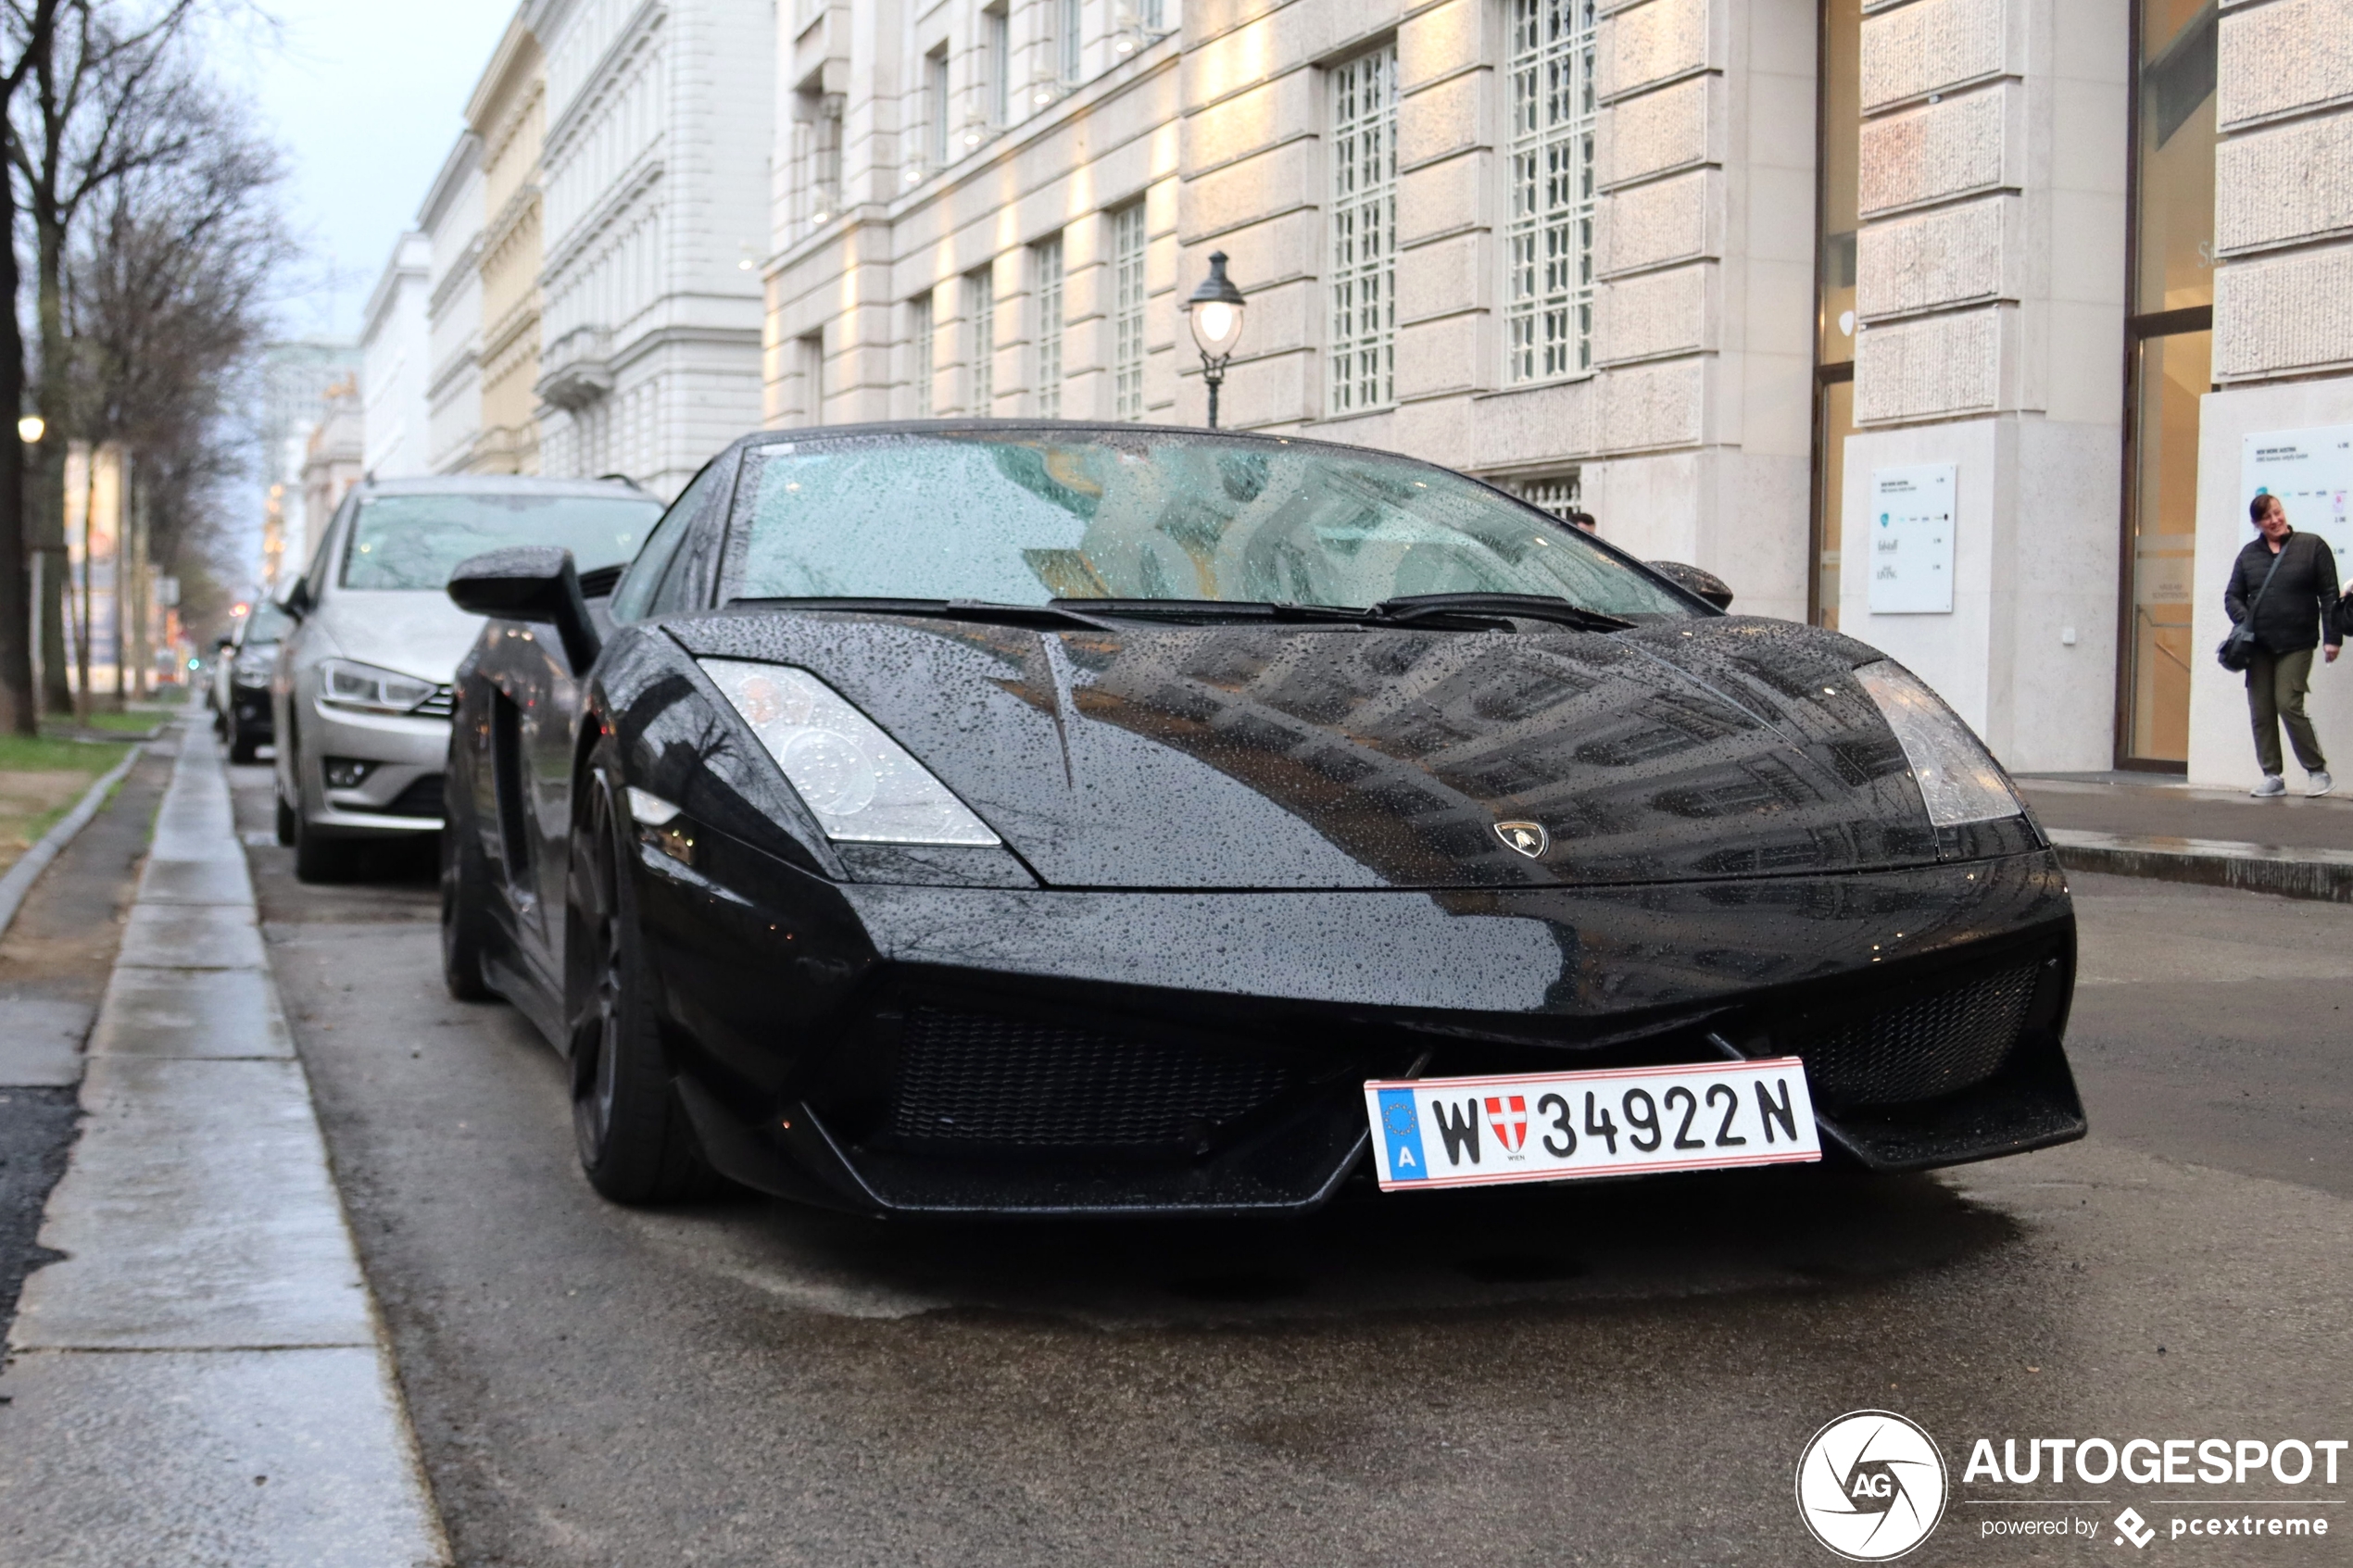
(88, 118)
(28, 33)
(164, 311)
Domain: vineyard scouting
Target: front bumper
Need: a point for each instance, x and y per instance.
(962, 1050)
(402, 793)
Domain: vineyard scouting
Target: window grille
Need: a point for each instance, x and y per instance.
(920, 334)
(1127, 311)
(1364, 232)
(1047, 261)
(1548, 244)
(980, 313)
(1555, 493)
(1066, 39)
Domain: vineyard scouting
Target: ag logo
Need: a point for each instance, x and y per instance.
(1871, 1485)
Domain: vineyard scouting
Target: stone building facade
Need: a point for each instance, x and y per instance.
(451, 222)
(1719, 271)
(396, 350)
(507, 118)
(654, 216)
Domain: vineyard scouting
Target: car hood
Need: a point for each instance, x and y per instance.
(416, 634)
(1219, 757)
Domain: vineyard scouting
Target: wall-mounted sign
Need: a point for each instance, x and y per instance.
(1911, 543)
(2311, 473)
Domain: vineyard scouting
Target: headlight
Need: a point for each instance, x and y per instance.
(862, 785)
(343, 683)
(1959, 777)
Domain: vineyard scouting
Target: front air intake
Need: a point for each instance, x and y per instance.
(982, 1079)
(1946, 1036)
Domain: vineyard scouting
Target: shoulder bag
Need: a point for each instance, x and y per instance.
(2238, 649)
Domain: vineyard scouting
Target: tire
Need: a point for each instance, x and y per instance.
(465, 887)
(320, 859)
(634, 1141)
(285, 823)
(242, 747)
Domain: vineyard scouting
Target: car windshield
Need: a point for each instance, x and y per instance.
(268, 623)
(1025, 517)
(413, 542)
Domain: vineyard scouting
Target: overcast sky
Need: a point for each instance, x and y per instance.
(367, 97)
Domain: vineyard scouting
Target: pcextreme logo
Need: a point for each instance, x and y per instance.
(1872, 1485)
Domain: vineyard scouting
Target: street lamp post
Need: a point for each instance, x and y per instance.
(1215, 313)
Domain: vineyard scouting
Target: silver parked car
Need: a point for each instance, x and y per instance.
(360, 698)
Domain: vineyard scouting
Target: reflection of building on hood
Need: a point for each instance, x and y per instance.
(1406, 748)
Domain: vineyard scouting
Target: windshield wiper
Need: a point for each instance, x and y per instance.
(1218, 609)
(1410, 608)
(1055, 614)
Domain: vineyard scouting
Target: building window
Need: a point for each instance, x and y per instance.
(919, 335)
(1127, 311)
(980, 342)
(1067, 35)
(1548, 246)
(1364, 232)
(936, 107)
(997, 44)
(1045, 269)
(817, 115)
(809, 372)
(2169, 325)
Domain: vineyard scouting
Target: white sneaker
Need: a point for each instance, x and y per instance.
(2317, 785)
(2272, 785)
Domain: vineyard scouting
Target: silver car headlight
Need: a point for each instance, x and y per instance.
(343, 683)
(1958, 776)
(863, 786)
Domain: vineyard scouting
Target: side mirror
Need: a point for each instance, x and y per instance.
(533, 583)
(1691, 579)
(298, 601)
(225, 642)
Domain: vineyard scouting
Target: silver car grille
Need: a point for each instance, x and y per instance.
(441, 705)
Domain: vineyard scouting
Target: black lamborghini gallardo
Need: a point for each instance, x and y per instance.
(1051, 818)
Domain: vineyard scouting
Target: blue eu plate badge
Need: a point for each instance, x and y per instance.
(1401, 1127)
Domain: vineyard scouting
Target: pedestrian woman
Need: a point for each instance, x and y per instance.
(2287, 581)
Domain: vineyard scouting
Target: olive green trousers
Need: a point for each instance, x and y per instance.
(2275, 686)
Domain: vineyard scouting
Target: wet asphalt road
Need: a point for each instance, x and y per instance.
(1619, 1374)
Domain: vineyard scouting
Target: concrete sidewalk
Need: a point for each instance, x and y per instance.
(2144, 825)
(202, 1380)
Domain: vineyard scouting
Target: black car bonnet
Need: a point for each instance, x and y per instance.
(1289, 757)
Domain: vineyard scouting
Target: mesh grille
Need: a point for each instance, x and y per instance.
(1927, 1045)
(979, 1078)
(421, 799)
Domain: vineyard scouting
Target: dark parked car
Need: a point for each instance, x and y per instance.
(241, 680)
(998, 818)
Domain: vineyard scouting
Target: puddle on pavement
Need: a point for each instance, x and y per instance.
(1808, 1230)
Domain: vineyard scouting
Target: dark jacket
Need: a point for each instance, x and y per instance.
(2298, 606)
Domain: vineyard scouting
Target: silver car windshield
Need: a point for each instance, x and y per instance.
(413, 542)
(1028, 516)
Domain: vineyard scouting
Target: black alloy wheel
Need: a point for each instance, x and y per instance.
(634, 1141)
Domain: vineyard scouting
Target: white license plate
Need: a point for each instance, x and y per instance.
(1557, 1126)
